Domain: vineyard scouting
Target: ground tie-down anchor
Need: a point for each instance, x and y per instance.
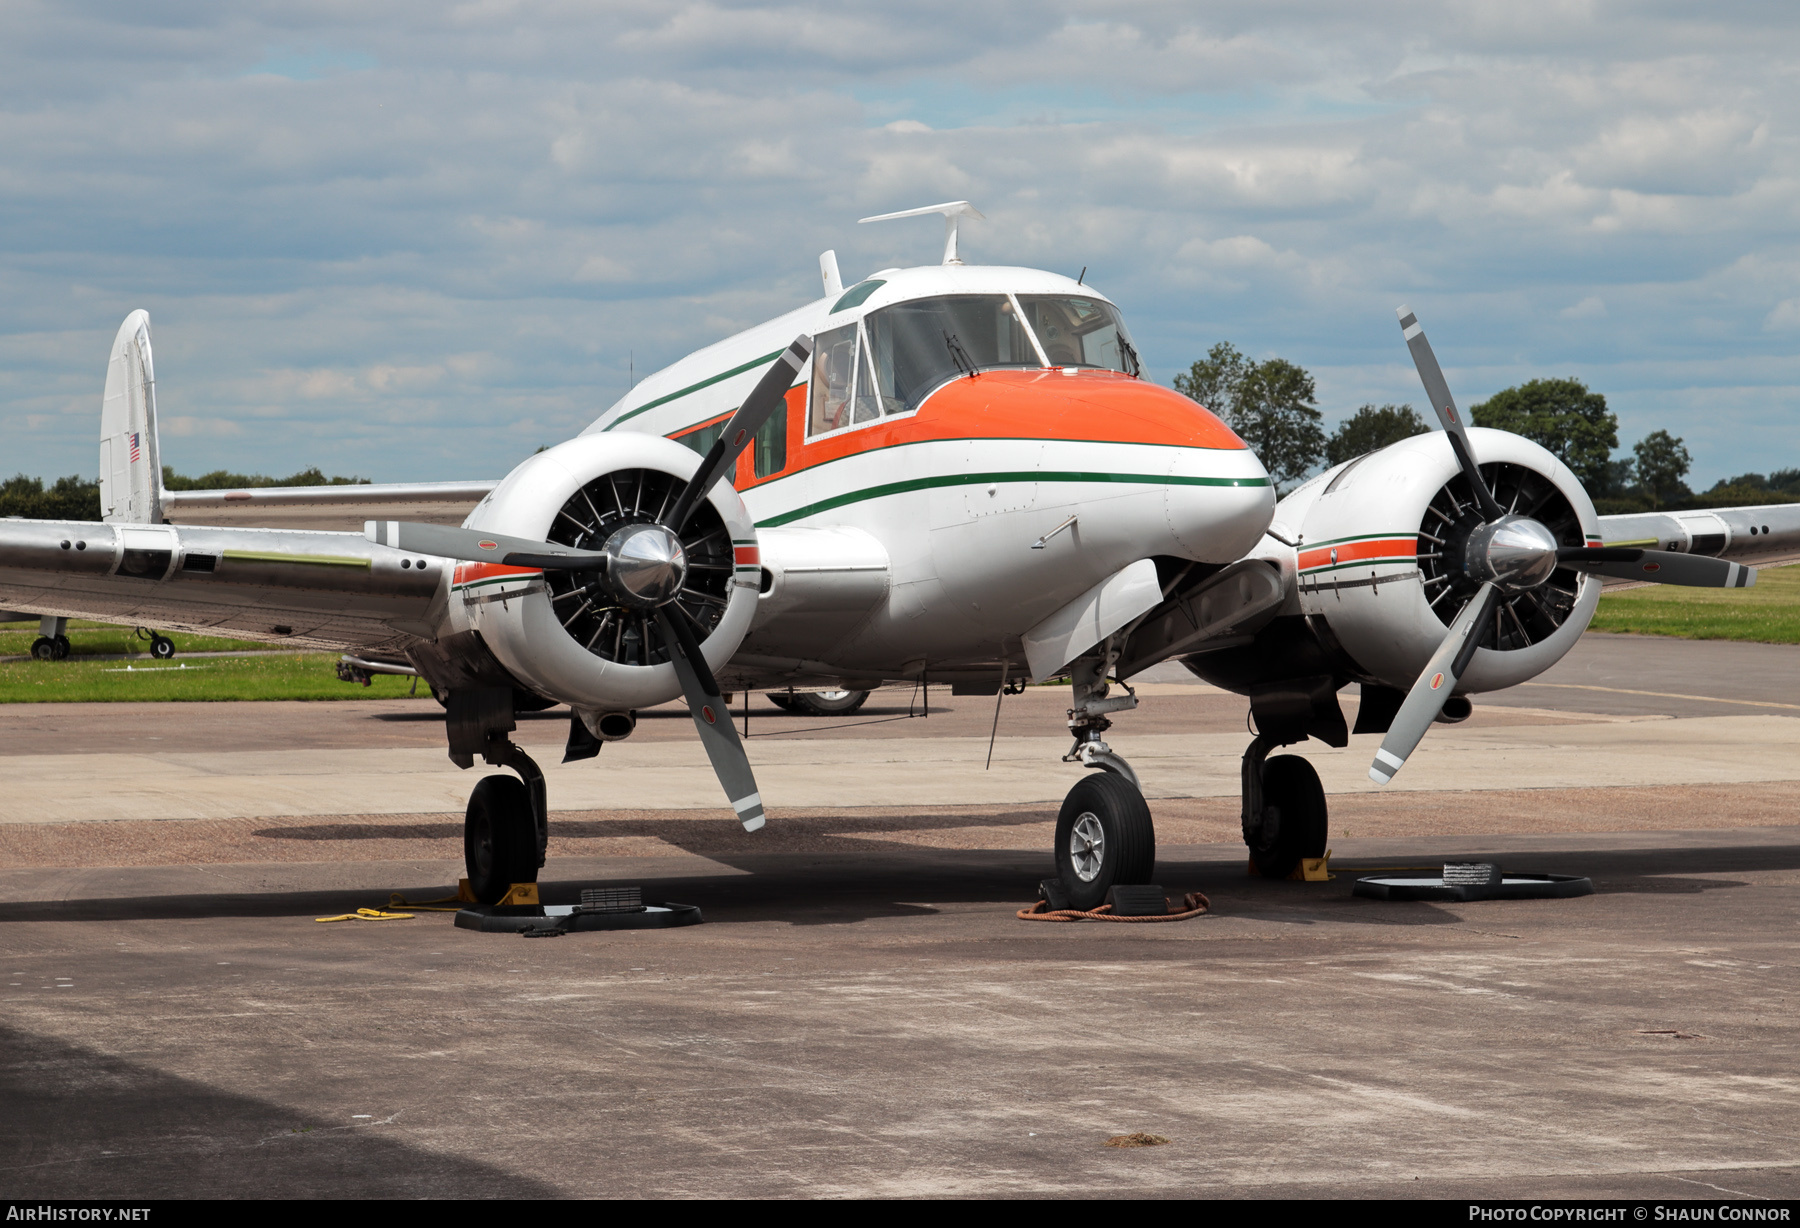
(601, 908)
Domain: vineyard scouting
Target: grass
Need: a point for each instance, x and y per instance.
(1768, 613)
(89, 638)
(299, 675)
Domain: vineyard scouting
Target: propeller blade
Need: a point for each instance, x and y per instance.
(768, 395)
(1437, 391)
(1434, 686)
(712, 719)
(1658, 566)
(449, 542)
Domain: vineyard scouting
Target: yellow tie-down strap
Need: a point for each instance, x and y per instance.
(369, 914)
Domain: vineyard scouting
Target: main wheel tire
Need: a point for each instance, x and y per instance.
(1294, 817)
(499, 838)
(162, 647)
(1104, 837)
(43, 648)
(64, 649)
(819, 703)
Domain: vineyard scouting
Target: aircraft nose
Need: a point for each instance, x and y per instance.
(1219, 503)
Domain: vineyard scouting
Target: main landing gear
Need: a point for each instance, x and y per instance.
(1284, 815)
(52, 643)
(1104, 834)
(506, 831)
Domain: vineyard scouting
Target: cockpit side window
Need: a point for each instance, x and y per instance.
(917, 346)
(833, 380)
(1080, 332)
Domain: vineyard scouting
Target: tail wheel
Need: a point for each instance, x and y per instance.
(1294, 823)
(162, 647)
(1104, 837)
(499, 838)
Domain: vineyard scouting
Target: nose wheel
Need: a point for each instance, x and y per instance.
(1104, 837)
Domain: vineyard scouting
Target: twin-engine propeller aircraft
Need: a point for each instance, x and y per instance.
(953, 474)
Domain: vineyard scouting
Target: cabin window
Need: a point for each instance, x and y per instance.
(771, 445)
(917, 347)
(703, 439)
(1080, 332)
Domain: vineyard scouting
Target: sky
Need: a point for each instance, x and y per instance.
(416, 241)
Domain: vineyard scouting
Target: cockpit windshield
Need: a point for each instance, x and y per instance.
(1080, 332)
(895, 357)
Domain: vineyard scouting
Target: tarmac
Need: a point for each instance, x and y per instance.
(862, 1014)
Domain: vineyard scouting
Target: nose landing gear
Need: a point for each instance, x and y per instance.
(1104, 834)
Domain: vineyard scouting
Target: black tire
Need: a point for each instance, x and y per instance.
(1294, 822)
(499, 838)
(162, 647)
(64, 649)
(43, 648)
(819, 703)
(1125, 851)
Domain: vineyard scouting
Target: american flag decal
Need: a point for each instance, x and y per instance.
(136, 456)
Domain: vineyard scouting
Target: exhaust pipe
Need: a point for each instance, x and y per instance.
(612, 726)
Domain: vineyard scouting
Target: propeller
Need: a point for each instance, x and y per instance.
(643, 567)
(1509, 555)
(1434, 686)
(448, 542)
(764, 399)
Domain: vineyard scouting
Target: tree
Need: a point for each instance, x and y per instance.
(70, 498)
(1561, 414)
(1370, 428)
(1269, 404)
(1662, 462)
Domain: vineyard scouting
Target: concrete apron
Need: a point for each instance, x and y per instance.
(795, 771)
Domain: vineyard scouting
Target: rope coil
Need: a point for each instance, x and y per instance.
(1193, 904)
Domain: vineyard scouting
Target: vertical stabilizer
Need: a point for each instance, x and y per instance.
(130, 462)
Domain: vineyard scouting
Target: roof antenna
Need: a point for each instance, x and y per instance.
(1083, 276)
(952, 211)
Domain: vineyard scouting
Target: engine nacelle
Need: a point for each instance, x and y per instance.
(569, 635)
(1379, 549)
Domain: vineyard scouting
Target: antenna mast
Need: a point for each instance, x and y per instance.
(954, 211)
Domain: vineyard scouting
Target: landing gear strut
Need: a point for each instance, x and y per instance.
(1104, 834)
(506, 831)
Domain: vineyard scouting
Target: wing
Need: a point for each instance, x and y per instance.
(1760, 536)
(336, 508)
(317, 589)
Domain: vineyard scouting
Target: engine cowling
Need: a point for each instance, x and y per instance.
(590, 639)
(1389, 548)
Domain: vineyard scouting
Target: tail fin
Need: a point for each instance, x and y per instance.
(130, 461)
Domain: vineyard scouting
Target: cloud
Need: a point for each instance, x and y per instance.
(426, 239)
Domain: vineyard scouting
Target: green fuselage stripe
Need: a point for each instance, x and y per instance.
(764, 361)
(975, 479)
(1365, 537)
(1382, 562)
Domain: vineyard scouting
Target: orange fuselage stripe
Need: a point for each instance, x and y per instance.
(1089, 407)
(1356, 552)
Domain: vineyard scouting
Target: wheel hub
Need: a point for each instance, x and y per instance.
(1087, 846)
